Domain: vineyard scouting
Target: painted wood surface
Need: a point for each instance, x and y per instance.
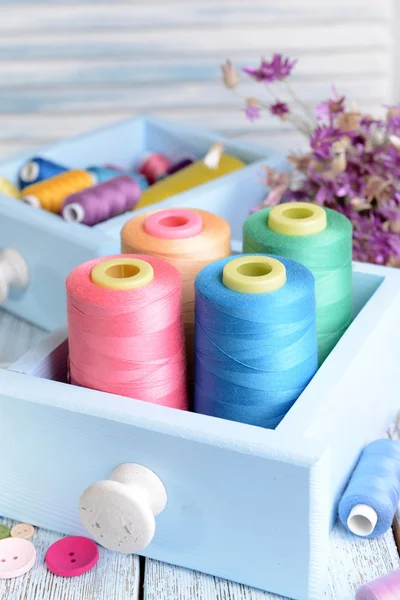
(352, 561)
(66, 67)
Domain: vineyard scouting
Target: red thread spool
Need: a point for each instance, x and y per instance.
(125, 329)
(154, 166)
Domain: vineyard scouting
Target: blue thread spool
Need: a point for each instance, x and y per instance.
(38, 169)
(369, 503)
(102, 174)
(255, 338)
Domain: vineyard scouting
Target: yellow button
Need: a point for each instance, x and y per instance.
(23, 530)
(254, 274)
(122, 273)
(297, 219)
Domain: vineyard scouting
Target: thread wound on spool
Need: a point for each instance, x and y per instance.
(51, 193)
(254, 353)
(127, 341)
(188, 178)
(154, 166)
(328, 256)
(375, 483)
(101, 174)
(384, 588)
(189, 239)
(38, 169)
(102, 201)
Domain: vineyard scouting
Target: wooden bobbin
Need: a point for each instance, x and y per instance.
(119, 512)
(14, 272)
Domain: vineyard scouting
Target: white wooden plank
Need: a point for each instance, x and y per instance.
(179, 95)
(352, 562)
(115, 577)
(60, 17)
(207, 40)
(133, 69)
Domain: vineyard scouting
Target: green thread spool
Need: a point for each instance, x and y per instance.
(320, 239)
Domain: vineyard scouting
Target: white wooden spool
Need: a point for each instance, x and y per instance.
(14, 272)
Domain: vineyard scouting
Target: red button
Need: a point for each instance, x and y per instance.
(17, 556)
(72, 556)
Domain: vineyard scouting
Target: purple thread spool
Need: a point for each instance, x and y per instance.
(102, 201)
(384, 588)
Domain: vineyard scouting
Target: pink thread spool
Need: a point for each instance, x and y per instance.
(384, 588)
(102, 201)
(154, 166)
(125, 329)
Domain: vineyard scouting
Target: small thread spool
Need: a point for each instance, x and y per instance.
(14, 272)
(102, 201)
(51, 193)
(154, 166)
(125, 329)
(369, 503)
(189, 239)
(255, 338)
(101, 174)
(178, 166)
(186, 179)
(320, 239)
(384, 588)
(8, 189)
(38, 169)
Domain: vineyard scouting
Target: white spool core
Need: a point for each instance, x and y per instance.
(31, 200)
(362, 520)
(73, 212)
(14, 272)
(30, 172)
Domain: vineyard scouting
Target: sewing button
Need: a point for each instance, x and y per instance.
(4, 532)
(23, 531)
(17, 556)
(72, 556)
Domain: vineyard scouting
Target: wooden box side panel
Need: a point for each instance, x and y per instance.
(241, 516)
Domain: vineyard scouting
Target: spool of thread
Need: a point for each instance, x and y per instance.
(255, 338)
(369, 503)
(14, 272)
(384, 588)
(101, 174)
(154, 166)
(189, 239)
(178, 166)
(51, 193)
(7, 188)
(125, 329)
(188, 178)
(320, 239)
(38, 169)
(102, 201)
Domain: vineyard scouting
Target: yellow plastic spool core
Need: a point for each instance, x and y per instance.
(254, 274)
(297, 219)
(122, 273)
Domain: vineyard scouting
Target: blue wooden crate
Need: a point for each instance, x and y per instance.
(52, 248)
(244, 503)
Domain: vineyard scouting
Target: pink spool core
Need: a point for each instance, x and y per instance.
(174, 224)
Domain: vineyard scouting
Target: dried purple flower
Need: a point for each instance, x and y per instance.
(279, 109)
(322, 139)
(328, 109)
(276, 69)
(252, 110)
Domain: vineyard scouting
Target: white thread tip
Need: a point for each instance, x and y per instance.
(213, 156)
(362, 520)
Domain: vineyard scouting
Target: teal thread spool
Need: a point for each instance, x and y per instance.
(320, 239)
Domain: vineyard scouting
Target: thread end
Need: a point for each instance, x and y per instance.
(362, 520)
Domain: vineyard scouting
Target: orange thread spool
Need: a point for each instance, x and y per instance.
(175, 236)
(51, 193)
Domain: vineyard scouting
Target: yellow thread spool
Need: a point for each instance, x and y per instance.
(188, 178)
(122, 273)
(297, 219)
(254, 274)
(8, 189)
(51, 193)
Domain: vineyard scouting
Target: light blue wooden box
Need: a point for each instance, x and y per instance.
(244, 503)
(52, 248)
